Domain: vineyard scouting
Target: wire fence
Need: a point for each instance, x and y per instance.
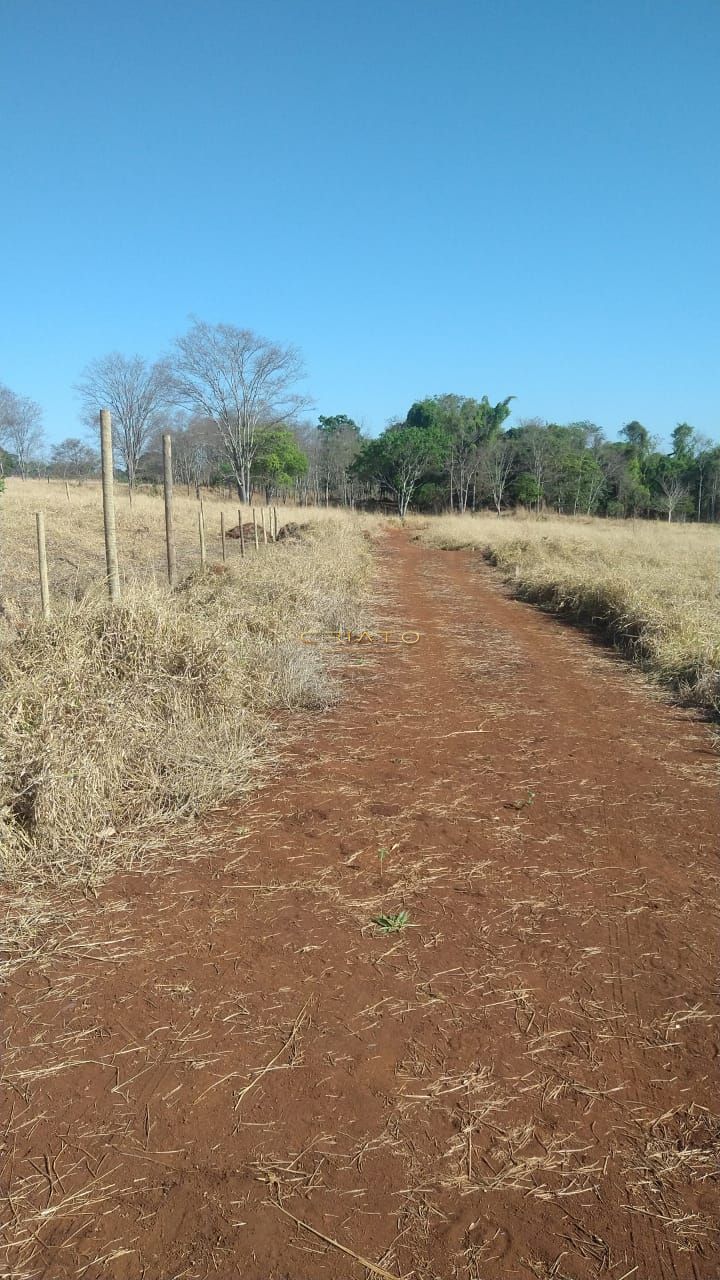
(253, 533)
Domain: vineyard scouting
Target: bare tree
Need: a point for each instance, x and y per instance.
(20, 427)
(73, 458)
(242, 382)
(674, 491)
(197, 448)
(135, 392)
(310, 484)
(497, 459)
(340, 443)
(703, 463)
(713, 483)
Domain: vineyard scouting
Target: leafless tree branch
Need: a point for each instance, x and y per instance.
(240, 381)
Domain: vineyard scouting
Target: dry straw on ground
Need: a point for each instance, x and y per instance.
(653, 587)
(116, 721)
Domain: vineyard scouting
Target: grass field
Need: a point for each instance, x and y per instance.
(118, 721)
(75, 545)
(653, 587)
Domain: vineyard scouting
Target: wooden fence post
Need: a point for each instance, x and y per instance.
(255, 530)
(168, 491)
(42, 564)
(108, 496)
(67, 491)
(222, 534)
(201, 531)
(242, 535)
(262, 517)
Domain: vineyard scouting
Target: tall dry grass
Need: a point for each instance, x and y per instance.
(75, 537)
(654, 588)
(115, 721)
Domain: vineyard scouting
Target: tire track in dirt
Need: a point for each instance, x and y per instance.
(520, 1084)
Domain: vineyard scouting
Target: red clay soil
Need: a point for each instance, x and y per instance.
(225, 1069)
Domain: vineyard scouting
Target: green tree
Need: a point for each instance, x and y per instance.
(278, 458)
(527, 490)
(468, 426)
(638, 437)
(537, 450)
(665, 475)
(625, 488)
(8, 462)
(337, 422)
(398, 459)
(568, 454)
(683, 446)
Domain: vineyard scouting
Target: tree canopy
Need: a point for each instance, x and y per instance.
(457, 453)
(278, 458)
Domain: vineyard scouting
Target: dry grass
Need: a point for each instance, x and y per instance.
(677, 1150)
(117, 720)
(75, 537)
(653, 587)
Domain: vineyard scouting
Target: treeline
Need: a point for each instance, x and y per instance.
(453, 452)
(230, 400)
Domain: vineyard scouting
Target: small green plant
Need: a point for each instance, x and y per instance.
(383, 853)
(392, 924)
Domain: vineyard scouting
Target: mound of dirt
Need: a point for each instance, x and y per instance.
(292, 532)
(248, 531)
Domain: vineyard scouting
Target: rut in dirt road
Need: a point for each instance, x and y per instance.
(225, 1069)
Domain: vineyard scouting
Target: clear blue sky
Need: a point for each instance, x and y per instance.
(479, 196)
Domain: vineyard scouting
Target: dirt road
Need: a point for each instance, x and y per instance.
(226, 1070)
